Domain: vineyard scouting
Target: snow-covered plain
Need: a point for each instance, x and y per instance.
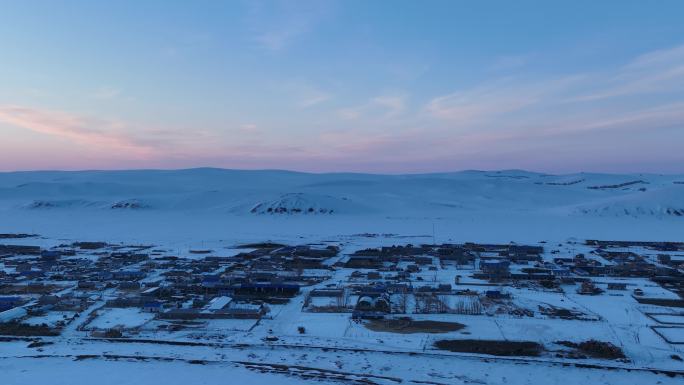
(215, 209)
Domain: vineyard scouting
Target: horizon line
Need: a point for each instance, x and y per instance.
(541, 173)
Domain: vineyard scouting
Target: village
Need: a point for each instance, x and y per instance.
(612, 304)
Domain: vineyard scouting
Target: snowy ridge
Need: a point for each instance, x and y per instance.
(41, 204)
(437, 195)
(666, 201)
(302, 203)
(59, 204)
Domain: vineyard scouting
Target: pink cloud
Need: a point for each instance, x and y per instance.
(107, 135)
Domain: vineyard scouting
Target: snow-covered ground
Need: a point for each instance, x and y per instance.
(211, 209)
(120, 317)
(51, 318)
(145, 363)
(67, 371)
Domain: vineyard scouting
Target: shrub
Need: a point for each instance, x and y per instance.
(113, 333)
(600, 349)
(493, 347)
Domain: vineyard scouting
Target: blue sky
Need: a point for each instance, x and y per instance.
(370, 86)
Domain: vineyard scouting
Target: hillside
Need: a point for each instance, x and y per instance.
(289, 193)
(485, 203)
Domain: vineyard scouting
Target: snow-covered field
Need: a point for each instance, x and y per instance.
(66, 371)
(51, 318)
(121, 317)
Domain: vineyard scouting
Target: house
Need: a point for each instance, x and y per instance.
(19, 250)
(232, 310)
(152, 306)
(444, 288)
(151, 292)
(457, 255)
(395, 288)
(496, 269)
(90, 285)
(262, 276)
(105, 275)
(50, 255)
(665, 259)
(23, 267)
(7, 303)
(129, 286)
(617, 286)
(128, 275)
(48, 300)
(180, 313)
(373, 275)
(211, 280)
(588, 288)
(423, 260)
(359, 315)
(561, 273)
(242, 310)
(267, 290)
(32, 274)
(563, 261)
(89, 245)
(363, 262)
(218, 303)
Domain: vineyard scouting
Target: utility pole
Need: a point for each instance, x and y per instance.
(433, 234)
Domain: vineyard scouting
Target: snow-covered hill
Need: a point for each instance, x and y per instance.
(491, 204)
(282, 192)
(307, 204)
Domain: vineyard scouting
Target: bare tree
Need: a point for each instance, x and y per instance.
(341, 299)
(403, 301)
(442, 302)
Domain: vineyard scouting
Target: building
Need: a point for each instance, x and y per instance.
(363, 262)
(128, 275)
(373, 301)
(152, 307)
(496, 269)
(617, 286)
(7, 303)
(267, 290)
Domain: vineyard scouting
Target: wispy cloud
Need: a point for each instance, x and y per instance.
(655, 72)
(495, 98)
(314, 100)
(383, 107)
(92, 132)
(276, 25)
(249, 127)
(510, 116)
(106, 93)
(309, 96)
(394, 104)
(509, 62)
(646, 119)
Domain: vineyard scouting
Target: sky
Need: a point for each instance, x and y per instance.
(327, 86)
